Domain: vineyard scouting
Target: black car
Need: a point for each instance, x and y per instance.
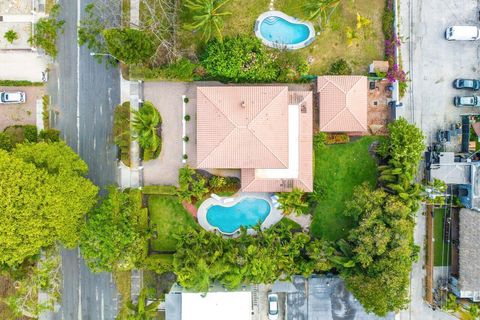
(471, 84)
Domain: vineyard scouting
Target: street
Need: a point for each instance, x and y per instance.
(84, 94)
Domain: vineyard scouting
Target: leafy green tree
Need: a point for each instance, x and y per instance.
(381, 245)
(207, 16)
(193, 186)
(130, 46)
(142, 311)
(340, 67)
(474, 311)
(293, 201)
(145, 123)
(46, 31)
(113, 237)
(11, 35)
(5, 141)
(41, 202)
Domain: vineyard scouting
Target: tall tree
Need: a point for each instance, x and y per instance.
(130, 46)
(145, 124)
(114, 236)
(207, 17)
(41, 201)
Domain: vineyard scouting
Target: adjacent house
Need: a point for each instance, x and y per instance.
(265, 131)
(343, 104)
(467, 283)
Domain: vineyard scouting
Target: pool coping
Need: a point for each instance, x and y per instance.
(276, 45)
(273, 217)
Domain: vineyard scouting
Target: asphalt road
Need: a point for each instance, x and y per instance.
(84, 94)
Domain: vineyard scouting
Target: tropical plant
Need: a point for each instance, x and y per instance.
(434, 192)
(145, 123)
(192, 185)
(350, 35)
(340, 67)
(46, 31)
(321, 10)
(363, 22)
(293, 201)
(207, 16)
(451, 303)
(142, 311)
(474, 311)
(319, 139)
(11, 35)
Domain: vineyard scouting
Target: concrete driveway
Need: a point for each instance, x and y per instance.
(23, 113)
(433, 62)
(167, 98)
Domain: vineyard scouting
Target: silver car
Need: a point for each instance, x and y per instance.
(12, 97)
(272, 306)
(466, 101)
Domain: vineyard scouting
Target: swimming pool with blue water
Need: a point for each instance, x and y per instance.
(281, 31)
(248, 212)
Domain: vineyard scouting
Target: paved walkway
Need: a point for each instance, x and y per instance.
(304, 220)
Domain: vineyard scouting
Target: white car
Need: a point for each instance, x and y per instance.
(466, 33)
(272, 306)
(12, 97)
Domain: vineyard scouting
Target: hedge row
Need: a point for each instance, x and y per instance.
(163, 190)
(20, 83)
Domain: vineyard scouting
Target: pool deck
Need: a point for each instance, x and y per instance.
(290, 19)
(273, 217)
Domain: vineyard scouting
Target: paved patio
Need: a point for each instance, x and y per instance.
(378, 114)
(167, 98)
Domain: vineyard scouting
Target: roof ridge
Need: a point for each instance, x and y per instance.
(214, 149)
(348, 106)
(253, 120)
(335, 117)
(216, 107)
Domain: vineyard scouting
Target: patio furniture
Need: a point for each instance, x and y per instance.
(216, 197)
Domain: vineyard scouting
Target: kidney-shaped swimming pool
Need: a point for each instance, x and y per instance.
(248, 212)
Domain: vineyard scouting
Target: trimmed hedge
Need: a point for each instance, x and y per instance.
(336, 138)
(159, 190)
(20, 83)
(159, 262)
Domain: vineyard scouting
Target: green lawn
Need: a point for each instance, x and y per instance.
(166, 214)
(439, 245)
(329, 46)
(338, 169)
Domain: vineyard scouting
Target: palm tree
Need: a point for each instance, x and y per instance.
(207, 16)
(321, 10)
(142, 311)
(145, 123)
(292, 201)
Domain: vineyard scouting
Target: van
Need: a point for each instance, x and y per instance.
(468, 33)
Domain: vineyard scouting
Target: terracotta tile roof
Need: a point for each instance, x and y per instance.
(304, 180)
(242, 127)
(342, 103)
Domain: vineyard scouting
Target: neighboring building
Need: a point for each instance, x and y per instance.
(467, 285)
(343, 104)
(321, 298)
(217, 304)
(464, 175)
(265, 131)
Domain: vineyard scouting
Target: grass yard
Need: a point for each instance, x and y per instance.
(439, 245)
(338, 169)
(167, 214)
(328, 47)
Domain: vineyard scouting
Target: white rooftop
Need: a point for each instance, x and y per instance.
(217, 306)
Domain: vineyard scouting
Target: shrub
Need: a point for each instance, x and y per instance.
(336, 138)
(239, 59)
(50, 135)
(146, 124)
(31, 133)
(121, 131)
(10, 35)
(129, 45)
(292, 66)
(158, 263)
(186, 100)
(162, 190)
(185, 156)
(217, 182)
(319, 140)
(182, 70)
(20, 83)
(294, 201)
(187, 117)
(5, 141)
(340, 67)
(186, 138)
(45, 111)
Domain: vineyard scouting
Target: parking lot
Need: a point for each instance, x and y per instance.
(436, 61)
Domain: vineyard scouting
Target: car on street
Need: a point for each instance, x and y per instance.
(471, 84)
(466, 101)
(272, 306)
(467, 33)
(12, 97)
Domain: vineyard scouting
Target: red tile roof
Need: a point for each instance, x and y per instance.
(342, 103)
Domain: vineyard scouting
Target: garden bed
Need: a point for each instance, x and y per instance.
(440, 247)
(338, 169)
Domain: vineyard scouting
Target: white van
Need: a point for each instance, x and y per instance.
(468, 33)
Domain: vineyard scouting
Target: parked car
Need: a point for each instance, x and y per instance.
(12, 97)
(468, 33)
(467, 101)
(466, 84)
(272, 306)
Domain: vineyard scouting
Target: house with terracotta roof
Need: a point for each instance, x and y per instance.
(343, 104)
(265, 131)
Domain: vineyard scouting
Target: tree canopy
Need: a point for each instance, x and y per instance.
(129, 45)
(113, 237)
(43, 199)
